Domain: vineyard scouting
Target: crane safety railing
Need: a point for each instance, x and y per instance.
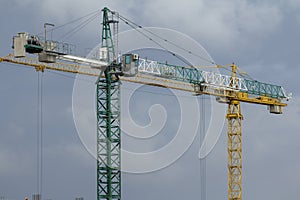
(196, 76)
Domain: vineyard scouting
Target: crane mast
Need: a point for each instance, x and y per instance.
(231, 90)
(108, 118)
(234, 137)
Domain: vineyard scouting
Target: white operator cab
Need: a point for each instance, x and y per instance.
(130, 64)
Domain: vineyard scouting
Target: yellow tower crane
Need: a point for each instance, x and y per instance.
(231, 90)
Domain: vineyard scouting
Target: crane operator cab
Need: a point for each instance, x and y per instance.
(130, 64)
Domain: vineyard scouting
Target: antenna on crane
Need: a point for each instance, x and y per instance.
(45, 32)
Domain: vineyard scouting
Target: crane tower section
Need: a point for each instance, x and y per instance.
(108, 118)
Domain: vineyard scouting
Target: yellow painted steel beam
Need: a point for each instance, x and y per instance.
(145, 79)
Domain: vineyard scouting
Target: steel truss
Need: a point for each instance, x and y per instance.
(234, 133)
(108, 139)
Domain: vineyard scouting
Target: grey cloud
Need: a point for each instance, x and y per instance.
(262, 36)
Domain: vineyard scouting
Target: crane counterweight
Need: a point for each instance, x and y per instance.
(19, 42)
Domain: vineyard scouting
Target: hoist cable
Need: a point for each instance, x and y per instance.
(202, 142)
(39, 133)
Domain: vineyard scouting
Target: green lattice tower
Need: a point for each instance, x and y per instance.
(108, 122)
(107, 40)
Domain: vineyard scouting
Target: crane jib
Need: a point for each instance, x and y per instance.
(178, 73)
(196, 76)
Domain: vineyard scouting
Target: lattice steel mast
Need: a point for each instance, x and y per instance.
(108, 122)
(234, 147)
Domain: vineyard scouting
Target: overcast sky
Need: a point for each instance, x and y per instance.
(262, 37)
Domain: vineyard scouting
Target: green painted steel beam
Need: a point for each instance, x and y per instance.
(108, 124)
(108, 139)
(196, 76)
(107, 40)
